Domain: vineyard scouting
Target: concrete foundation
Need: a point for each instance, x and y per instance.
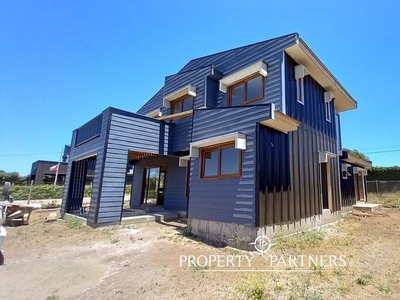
(366, 207)
(240, 236)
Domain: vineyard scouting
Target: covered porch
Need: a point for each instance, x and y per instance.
(123, 148)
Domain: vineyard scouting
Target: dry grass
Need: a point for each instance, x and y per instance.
(391, 200)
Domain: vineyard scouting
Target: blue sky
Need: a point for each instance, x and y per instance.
(63, 62)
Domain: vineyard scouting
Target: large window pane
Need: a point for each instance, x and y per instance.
(229, 161)
(177, 107)
(237, 95)
(211, 163)
(187, 104)
(254, 89)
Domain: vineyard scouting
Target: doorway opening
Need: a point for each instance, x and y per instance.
(360, 188)
(82, 173)
(153, 191)
(326, 185)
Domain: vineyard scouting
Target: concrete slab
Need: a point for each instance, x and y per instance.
(157, 217)
(367, 207)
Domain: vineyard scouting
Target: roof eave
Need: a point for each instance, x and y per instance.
(302, 54)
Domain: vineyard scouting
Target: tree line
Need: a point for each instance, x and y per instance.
(13, 177)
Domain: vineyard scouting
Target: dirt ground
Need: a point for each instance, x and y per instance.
(53, 261)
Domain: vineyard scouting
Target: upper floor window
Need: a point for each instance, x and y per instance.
(299, 72)
(246, 91)
(328, 111)
(300, 90)
(328, 97)
(182, 104)
(221, 161)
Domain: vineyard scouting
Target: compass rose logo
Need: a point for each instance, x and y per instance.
(262, 244)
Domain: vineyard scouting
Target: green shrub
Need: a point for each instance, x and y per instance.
(73, 222)
(88, 191)
(38, 192)
(44, 191)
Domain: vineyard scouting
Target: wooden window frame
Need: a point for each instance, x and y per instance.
(219, 148)
(180, 100)
(244, 83)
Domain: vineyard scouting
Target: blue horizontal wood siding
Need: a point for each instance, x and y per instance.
(226, 63)
(156, 102)
(182, 134)
(178, 81)
(226, 200)
(127, 132)
(93, 147)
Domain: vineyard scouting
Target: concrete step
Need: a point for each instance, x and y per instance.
(367, 207)
(156, 217)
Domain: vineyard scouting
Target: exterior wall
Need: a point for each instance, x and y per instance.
(226, 63)
(226, 200)
(196, 77)
(315, 134)
(174, 187)
(154, 103)
(212, 93)
(182, 134)
(133, 132)
(241, 236)
(96, 147)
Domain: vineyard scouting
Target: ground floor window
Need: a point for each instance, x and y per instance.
(221, 161)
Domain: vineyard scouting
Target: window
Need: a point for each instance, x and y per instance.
(300, 72)
(300, 90)
(183, 104)
(221, 161)
(328, 111)
(249, 90)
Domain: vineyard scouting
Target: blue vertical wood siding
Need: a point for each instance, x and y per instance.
(280, 203)
(226, 200)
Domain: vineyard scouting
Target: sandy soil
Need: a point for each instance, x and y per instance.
(52, 261)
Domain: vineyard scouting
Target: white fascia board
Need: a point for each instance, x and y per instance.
(183, 160)
(325, 155)
(189, 90)
(259, 67)
(238, 137)
(302, 54)
(155, 113)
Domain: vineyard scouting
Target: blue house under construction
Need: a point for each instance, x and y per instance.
(241, 141)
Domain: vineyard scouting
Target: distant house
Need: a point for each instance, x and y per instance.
(42, 172)
(241, 141)
(353, 178)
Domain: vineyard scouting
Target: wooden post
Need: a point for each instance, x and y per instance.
(30, 191)
(377, 189)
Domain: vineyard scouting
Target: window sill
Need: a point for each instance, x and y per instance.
(180, 115)
(233, 176)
